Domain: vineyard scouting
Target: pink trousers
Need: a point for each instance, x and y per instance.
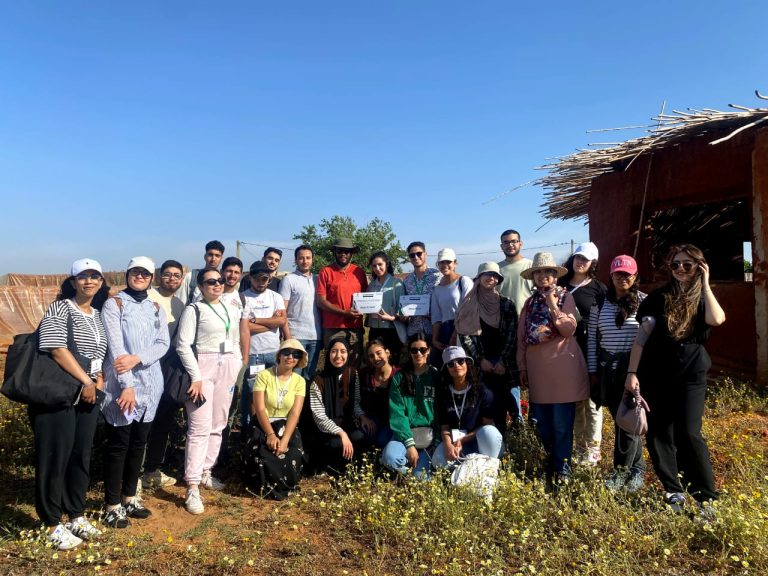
(206, 422)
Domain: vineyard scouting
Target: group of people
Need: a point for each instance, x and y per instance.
(426, 389)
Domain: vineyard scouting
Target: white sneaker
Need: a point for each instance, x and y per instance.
(156, 479)
(194, 503)
(211, 483)
(82, 528)
(63, 539)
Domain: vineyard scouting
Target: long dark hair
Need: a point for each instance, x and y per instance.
(681, 303)
(407, 384)
(627, 305)
(566, 280)
(383, 256)
(472, 380)
(67, 291)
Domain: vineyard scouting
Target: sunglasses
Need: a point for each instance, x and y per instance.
(297, 354)
(136, 272)
(94, 276)
(413, 255)
(213, 281)
(343, 250)
(423, 350)
(170, 275)
(687, 266)
(457, 362)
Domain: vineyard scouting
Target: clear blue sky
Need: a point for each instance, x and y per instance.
(148, 128)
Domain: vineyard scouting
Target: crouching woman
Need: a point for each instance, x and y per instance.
(465, 412)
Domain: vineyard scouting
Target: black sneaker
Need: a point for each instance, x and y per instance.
(135, 509)
(116, 518)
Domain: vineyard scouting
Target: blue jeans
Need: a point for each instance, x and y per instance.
(487, 441)
(393, 457)
(555, 425)
(313, 352)
(382, 436)
(269, 360)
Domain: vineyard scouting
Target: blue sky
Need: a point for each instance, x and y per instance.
(152, 127)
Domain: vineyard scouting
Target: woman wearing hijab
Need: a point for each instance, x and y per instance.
(334, 397)
(551, 363)
(137, 334)
(64, 437)
(486, 323)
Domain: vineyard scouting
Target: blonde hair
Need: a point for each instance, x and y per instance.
(682, 303)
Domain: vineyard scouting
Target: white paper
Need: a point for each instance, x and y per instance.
(368, 302)
(255, 369)
(414, 305)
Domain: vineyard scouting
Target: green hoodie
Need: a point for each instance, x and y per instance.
(406, 412)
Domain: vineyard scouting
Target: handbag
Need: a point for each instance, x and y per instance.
(33, 377)
(631, 416)
(423, 436)
(478, 472)
(175, 376)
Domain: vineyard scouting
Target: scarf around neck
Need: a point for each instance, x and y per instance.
(539, 325)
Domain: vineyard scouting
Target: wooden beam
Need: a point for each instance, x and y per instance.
(760, 250)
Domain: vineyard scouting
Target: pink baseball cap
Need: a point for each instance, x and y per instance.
(624, 263)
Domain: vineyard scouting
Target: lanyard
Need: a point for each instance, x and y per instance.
(91, 326)
(281, 392)
(227, 322)
(420, 287)
(464, 393)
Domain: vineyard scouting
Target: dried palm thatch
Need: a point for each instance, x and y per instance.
(569, 178)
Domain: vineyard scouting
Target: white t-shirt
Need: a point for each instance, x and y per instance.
(263, 305)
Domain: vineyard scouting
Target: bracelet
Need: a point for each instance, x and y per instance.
(271, 434)
(628, 373)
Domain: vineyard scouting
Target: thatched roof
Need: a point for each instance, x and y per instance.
(569, 178)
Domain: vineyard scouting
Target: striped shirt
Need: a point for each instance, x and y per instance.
(319, 415)
(602, 325)
(140, 329)
(87, 330)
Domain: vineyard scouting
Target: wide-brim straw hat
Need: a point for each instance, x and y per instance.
(293, 344)
(543, 261)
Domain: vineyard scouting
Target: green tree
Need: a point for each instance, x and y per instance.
(374, 236)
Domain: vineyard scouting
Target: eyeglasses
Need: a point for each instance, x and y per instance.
(170, 275)
(138, 272)
(509, 242)
(94, 276)
(413, 255)
(457, 362)
(297, 354)
(687, 265)
(422, 350)
(213, 281)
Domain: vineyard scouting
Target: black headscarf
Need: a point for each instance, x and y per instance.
(329, 380)
(138, 295)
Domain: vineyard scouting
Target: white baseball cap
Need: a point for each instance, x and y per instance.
(586, 249)
(142, 262)
(84, 264)
(446, 254)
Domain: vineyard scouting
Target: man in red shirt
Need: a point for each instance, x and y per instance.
(336, 284)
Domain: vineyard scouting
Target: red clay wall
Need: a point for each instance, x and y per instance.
(684, 175)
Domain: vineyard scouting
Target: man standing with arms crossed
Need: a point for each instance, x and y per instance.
(298, 292)
(336, 284)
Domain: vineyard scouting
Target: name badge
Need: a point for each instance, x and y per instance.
(457, 434)
(227, 347)
(255, 369)
(95, 366)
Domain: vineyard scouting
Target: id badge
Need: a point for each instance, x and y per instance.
(255, 369)
(457, 434)
(95, 366)
(227, 347)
